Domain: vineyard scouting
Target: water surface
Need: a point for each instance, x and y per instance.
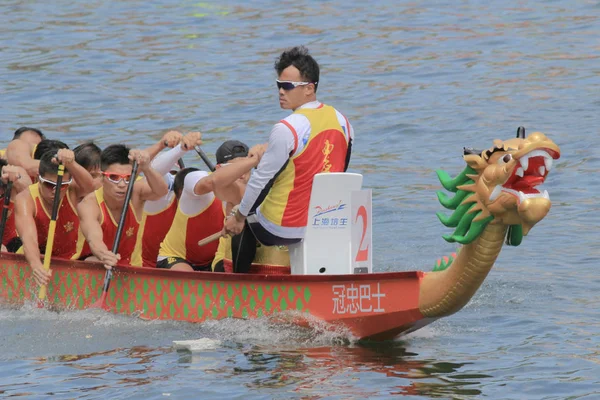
(418, 80)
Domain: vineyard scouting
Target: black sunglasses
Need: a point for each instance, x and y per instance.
(289, 85)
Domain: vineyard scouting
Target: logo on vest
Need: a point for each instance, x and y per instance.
(327, 149)
(129, 232)
(69, 226)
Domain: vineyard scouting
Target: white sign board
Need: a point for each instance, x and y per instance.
(326, 245)
(338, 232)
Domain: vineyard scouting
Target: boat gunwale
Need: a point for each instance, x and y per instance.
(222, 276)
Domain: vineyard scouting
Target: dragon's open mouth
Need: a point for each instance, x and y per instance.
(531, 171)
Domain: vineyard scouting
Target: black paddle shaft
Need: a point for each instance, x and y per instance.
(115, 248)
(57, 188)
(7, 192)
(205, 158)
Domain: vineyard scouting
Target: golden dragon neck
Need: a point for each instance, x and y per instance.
(445, 292)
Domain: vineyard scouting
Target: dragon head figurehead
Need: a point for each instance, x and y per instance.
(500, 186)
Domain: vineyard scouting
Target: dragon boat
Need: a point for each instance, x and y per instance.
(495, 201)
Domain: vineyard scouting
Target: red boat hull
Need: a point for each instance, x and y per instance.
(376, 306)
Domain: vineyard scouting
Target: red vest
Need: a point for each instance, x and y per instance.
(67, 226)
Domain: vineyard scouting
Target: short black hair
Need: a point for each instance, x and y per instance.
(23, 129)
(47, 145)
(88, 155)
(114, 154)
(180, 180)
(46, 164)
(300, 58)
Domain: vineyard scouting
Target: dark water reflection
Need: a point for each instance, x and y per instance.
(357, 371)
(339, 370)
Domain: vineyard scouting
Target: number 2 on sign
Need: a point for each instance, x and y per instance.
(362, 254)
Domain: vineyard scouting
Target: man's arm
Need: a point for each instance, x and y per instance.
(223, 182)
(25, 224)
(281, 144)
(18, 176)
(18, 152)
(89, 223)
(164, 162)
(81, 176)
(169, 139)
(153, 187)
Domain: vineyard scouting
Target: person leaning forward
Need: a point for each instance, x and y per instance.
(315, 138)
(100, 211)
(200, 209)
(33, 209)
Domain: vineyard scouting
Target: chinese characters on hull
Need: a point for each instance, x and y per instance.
(352, 298)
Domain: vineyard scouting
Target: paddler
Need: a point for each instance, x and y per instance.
(315, 138)
(20, 181)
(159, 214)
(200, 212)
(33, 209)
(100, 211)
(88, 156)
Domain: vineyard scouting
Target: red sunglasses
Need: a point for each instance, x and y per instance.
(116, 178)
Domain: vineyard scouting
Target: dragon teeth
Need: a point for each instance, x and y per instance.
(542, 171)
(520, 172)
(524, 163)
(524, 160)
(546, 195)
(497, 190)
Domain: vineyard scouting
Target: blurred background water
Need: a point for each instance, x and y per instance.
(418, 80)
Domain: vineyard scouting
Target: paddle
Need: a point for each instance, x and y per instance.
(209, 239)
(51, 230)
(216, 235)
(115, 248)
(7, 192)
(204, 157)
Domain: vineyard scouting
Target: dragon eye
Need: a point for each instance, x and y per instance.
(505, 158)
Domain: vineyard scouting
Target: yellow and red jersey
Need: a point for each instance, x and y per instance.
(286, 204)
(186, 230)
(67, 225)
(153, 229)
(109, 230)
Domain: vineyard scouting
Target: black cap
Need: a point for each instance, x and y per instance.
(229, 150)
